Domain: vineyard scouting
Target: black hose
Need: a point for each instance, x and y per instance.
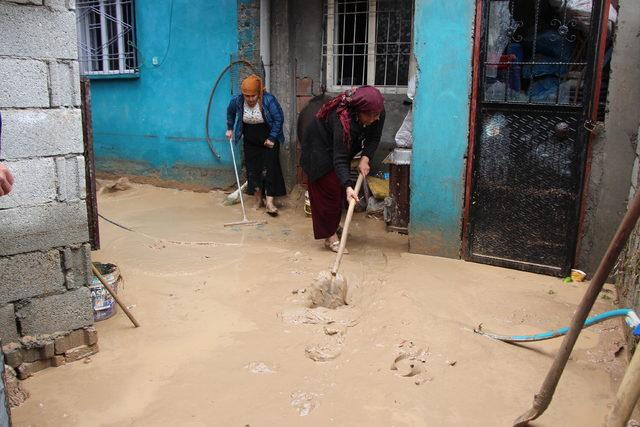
(213, 91)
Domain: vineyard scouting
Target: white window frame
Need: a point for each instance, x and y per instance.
(88, 54)
(371, 52)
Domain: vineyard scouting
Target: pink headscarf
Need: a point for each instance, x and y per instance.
(365, 99)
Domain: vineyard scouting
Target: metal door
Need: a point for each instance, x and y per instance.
(533, 102)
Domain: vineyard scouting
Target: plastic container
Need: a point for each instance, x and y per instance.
(104, 306)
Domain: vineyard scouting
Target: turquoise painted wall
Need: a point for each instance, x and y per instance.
(443, 48)
(154, 125)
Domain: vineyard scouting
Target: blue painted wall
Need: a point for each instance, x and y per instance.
(153, 125)
(443, 49)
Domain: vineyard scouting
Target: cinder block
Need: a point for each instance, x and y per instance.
(64, 80)
(29, 275)
(57, 361)
(35, 183)
(57, 5)
(24, 81)
(43, 227)
(36, 2)
(71, 4)
(37, 32)
(35, 133)
(71, 178)
(8, 330)
(77, 264)
(56, 313)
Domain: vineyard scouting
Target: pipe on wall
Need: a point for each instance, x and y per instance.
(265, 39)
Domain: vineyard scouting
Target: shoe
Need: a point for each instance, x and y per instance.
(335, 247)
(273, 211)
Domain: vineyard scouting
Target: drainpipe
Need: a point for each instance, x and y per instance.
(265, 39)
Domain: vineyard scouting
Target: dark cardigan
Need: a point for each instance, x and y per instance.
(323, 148)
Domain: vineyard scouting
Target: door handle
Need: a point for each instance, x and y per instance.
(562, 130)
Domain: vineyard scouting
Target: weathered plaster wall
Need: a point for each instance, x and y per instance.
(44, 254)
(614, 147)
(443, 50)
(297, 27)
(153, 126)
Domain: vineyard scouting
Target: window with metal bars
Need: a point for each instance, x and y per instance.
(106, 37)
(368, 42)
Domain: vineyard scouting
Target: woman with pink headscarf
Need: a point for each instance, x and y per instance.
(331, 135)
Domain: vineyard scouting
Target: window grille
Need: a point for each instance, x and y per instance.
(368, 42)
(106, 37)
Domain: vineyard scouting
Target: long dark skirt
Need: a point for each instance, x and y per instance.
(327, 197)
(262, 163)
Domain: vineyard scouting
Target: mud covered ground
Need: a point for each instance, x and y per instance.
(227, 339)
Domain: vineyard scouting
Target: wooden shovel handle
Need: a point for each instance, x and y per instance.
(345, 229)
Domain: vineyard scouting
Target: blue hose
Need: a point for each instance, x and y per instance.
(632, 321)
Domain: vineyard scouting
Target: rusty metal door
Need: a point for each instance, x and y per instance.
(536, 78)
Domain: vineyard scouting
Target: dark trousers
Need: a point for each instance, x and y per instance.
(327, 198)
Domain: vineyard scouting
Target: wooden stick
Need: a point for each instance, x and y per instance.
(345, 229)
(115, 296)
(543, 398)
(627, 395)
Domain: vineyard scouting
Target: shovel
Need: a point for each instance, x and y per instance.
(330, 290)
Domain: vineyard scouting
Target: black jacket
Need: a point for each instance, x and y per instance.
(323, 148)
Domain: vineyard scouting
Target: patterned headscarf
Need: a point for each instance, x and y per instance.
(251, 86)
(365, 99)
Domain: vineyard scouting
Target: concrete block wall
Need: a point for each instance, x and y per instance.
(44, 255)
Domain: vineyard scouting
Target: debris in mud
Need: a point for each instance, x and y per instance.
(333, 330)
(259, 368)
(327, 291)
(451, 362)
(319, 316)
(298, 291)
(323, 352)
(121, 184)
(303, 402)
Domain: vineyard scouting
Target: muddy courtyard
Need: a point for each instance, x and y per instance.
(227, 338)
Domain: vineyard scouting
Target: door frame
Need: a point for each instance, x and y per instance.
(594, 93)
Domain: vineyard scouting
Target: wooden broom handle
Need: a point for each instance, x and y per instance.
(115, 296)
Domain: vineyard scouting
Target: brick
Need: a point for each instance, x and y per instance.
(77, 264)
(43, 227)
(304, 87)
(35, 183)
(36, 133)
(24, 82)
(69, 341)
(90, 336)
(56, 313)
(30, 355)
(29, 275)
(12, 354)
(80, 353)
(37, 32)
(8, 329)
(26, 370)
(71, 178)
(57, 361)
(64, 80)
(47, 350)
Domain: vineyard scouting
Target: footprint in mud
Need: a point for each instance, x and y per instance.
(410, 362)
(304, 402)
(259, 368)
